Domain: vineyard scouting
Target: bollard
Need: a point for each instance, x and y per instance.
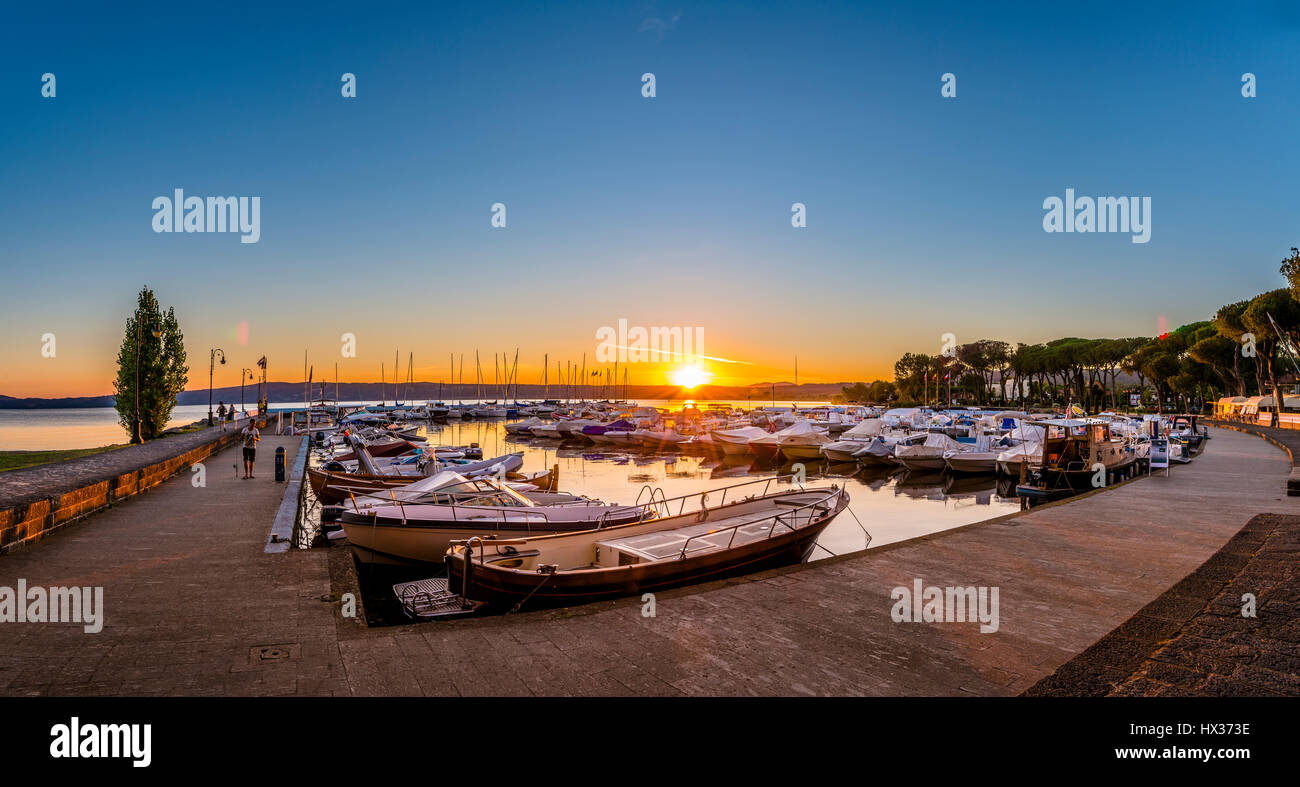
(279, 465)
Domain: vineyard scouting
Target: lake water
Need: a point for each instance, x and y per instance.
(890, 505)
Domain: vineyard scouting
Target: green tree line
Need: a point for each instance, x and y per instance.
(1239, 351)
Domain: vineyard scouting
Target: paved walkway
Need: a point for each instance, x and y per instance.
(33, 483)
(190, 596)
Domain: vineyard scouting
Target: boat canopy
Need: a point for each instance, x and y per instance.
(436, 481)
(797, 428)
(744, 432)
(940, 440)
(868, 428)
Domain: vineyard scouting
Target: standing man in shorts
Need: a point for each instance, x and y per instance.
(251, 438)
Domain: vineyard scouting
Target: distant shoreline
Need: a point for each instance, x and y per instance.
(426, 391)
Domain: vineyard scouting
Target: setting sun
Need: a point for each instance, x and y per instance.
(689, 376)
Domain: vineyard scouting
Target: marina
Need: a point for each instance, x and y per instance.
(448, 363)
(1085, 566)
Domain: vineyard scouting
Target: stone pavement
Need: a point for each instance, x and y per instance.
(1286, 439)
(192, 600)
(190, 597)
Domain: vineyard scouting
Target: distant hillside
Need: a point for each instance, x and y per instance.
(426, 391)
(33, 403)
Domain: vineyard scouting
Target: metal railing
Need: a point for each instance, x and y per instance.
(791, 524)
(662, 506)
(529, 514)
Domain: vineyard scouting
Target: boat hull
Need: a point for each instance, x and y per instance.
(500, 589)
(973, 463)
(408, 545)
(922, 462)
(802, 451)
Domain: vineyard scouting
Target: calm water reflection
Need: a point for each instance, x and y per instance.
(891, 506)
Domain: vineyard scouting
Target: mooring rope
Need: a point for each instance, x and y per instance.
(524, 600)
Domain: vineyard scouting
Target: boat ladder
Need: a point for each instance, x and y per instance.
(658, 500)
(427, 599)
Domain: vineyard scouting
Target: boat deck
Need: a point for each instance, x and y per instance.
(708, 536)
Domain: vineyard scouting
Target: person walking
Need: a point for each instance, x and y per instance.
(251, 438)
(221, 415)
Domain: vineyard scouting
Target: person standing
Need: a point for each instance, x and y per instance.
(221, 415)
(251, 438)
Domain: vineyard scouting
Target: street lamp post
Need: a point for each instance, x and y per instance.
(137, 437)
(244, 374)
(212, 364)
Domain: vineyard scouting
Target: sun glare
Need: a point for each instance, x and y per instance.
(689, 376)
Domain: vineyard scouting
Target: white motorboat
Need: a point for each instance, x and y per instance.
(545, 430)
(1010, 460)
(421, 532)
(852, 441)
(736, 441)
(804, 445)
(523, 427)
(927, 455)
(980, 457)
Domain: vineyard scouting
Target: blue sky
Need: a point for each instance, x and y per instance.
(924, 213)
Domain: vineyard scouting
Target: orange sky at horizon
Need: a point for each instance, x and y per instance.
(838, 346)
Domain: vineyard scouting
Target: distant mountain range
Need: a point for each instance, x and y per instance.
(424, 391)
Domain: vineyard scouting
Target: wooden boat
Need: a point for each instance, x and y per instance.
(1075, 450)
(743, 535)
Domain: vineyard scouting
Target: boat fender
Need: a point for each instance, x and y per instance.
(704, 514)
(548, 568)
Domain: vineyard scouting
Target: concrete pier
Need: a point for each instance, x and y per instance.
(196, 606)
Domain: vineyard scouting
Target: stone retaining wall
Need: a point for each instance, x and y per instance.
(29, 522)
